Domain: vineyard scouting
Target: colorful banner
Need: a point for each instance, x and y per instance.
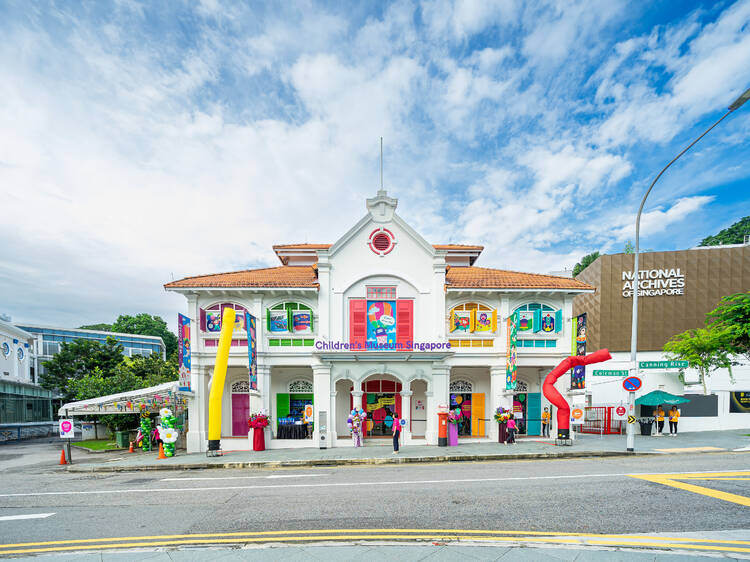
(483, 320)
(461, 321)
(213, 321)
(302, 322)
(183, 350)
(525, 321)
(548, 322)
(381, 323)
(278, 320)
(578, 374)
(252, 349)
(510, 352)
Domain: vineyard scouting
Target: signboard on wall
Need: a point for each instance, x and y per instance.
(578, 374)
(739, 402)
(511, 351)
(183, 350)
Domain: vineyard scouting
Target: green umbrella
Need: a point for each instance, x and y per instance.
(656, 397)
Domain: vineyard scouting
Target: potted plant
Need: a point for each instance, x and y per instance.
(501, 417)
(258, 423)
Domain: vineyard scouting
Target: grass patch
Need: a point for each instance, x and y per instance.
(97, 444)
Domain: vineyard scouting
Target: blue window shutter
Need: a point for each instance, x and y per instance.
(558, 321)
(537, 320)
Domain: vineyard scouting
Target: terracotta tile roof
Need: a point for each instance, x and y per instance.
(301, 246)
(485, 278)
(457, 247)
(284, 276)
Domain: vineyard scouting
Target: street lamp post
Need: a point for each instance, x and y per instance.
(739, 102)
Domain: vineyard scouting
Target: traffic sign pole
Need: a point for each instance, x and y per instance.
(630, 439)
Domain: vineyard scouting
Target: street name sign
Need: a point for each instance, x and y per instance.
(631, 384)
(611, 373)
(662, 364)
(66, 429)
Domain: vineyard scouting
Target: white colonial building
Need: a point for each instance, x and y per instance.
(382, 320)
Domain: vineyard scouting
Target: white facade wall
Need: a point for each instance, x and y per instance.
(345, 270)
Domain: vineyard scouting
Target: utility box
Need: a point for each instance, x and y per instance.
(323, 428)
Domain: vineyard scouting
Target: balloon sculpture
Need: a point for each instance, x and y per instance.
(355, 421)
(551, 393)
(145, 430)
(167, 431)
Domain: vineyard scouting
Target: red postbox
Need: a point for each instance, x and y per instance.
(442, 425)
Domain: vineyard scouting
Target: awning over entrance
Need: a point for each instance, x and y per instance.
(153, 398)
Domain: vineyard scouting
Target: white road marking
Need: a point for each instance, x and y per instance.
(243, 477)
(742, 449)
(339, 484)
(27, 516)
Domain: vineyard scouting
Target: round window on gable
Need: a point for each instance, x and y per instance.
(381, 241)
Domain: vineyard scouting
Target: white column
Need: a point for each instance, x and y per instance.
(334, 433)
(357, 398)
(497, 386)
(197, 435)
(261, 402)
(437, 395)
(322, 392)
(406, 414)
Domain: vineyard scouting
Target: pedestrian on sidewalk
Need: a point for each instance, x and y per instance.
(396, 432)
(659, 417)
(674, 415)
(545, 422)
(511, 430)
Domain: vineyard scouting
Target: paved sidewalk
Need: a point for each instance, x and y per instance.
(527, 448)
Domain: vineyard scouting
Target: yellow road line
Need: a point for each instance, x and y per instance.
(382, 536)
(673, 482)
(318, 531)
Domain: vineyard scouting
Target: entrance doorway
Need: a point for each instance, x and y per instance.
(240, 414)
(519, 412)
(381, 399)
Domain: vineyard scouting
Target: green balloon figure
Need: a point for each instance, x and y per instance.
(146, 431)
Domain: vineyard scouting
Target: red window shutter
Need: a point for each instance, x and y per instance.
(358, 323)
(404, 323)
(203, 320)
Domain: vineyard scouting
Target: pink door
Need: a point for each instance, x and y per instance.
(240, 414)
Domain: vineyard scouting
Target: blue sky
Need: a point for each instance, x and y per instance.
(145, 141)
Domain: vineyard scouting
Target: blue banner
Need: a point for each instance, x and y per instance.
(252, 349)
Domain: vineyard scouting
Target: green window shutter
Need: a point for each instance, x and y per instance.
(537, 321)
(289, 320)
(282, 405)
(312, 320)
(268, 321)
(558, 321)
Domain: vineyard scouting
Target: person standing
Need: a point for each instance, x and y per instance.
(396, 432)
(674, 416)
(545, 422)
(659, 417)
(511, 430)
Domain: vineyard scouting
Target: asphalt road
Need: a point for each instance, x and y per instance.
(591, 496)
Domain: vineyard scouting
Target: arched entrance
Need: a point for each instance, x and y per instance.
(381, 397)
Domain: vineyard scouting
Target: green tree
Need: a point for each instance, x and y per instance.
(733, 314)
(100, 327)
(706, 349)
(77, 359)
(130, 374)
(147, 325)
(735, 234)
(584, 263)
(629, 248)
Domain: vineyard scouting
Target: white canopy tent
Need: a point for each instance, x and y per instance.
(152, 399)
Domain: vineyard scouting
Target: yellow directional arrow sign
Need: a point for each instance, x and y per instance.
(631, 419)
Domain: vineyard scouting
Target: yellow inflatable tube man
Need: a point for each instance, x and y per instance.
(217, 381)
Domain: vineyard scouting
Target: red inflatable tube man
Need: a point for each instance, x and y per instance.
(551, 393)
